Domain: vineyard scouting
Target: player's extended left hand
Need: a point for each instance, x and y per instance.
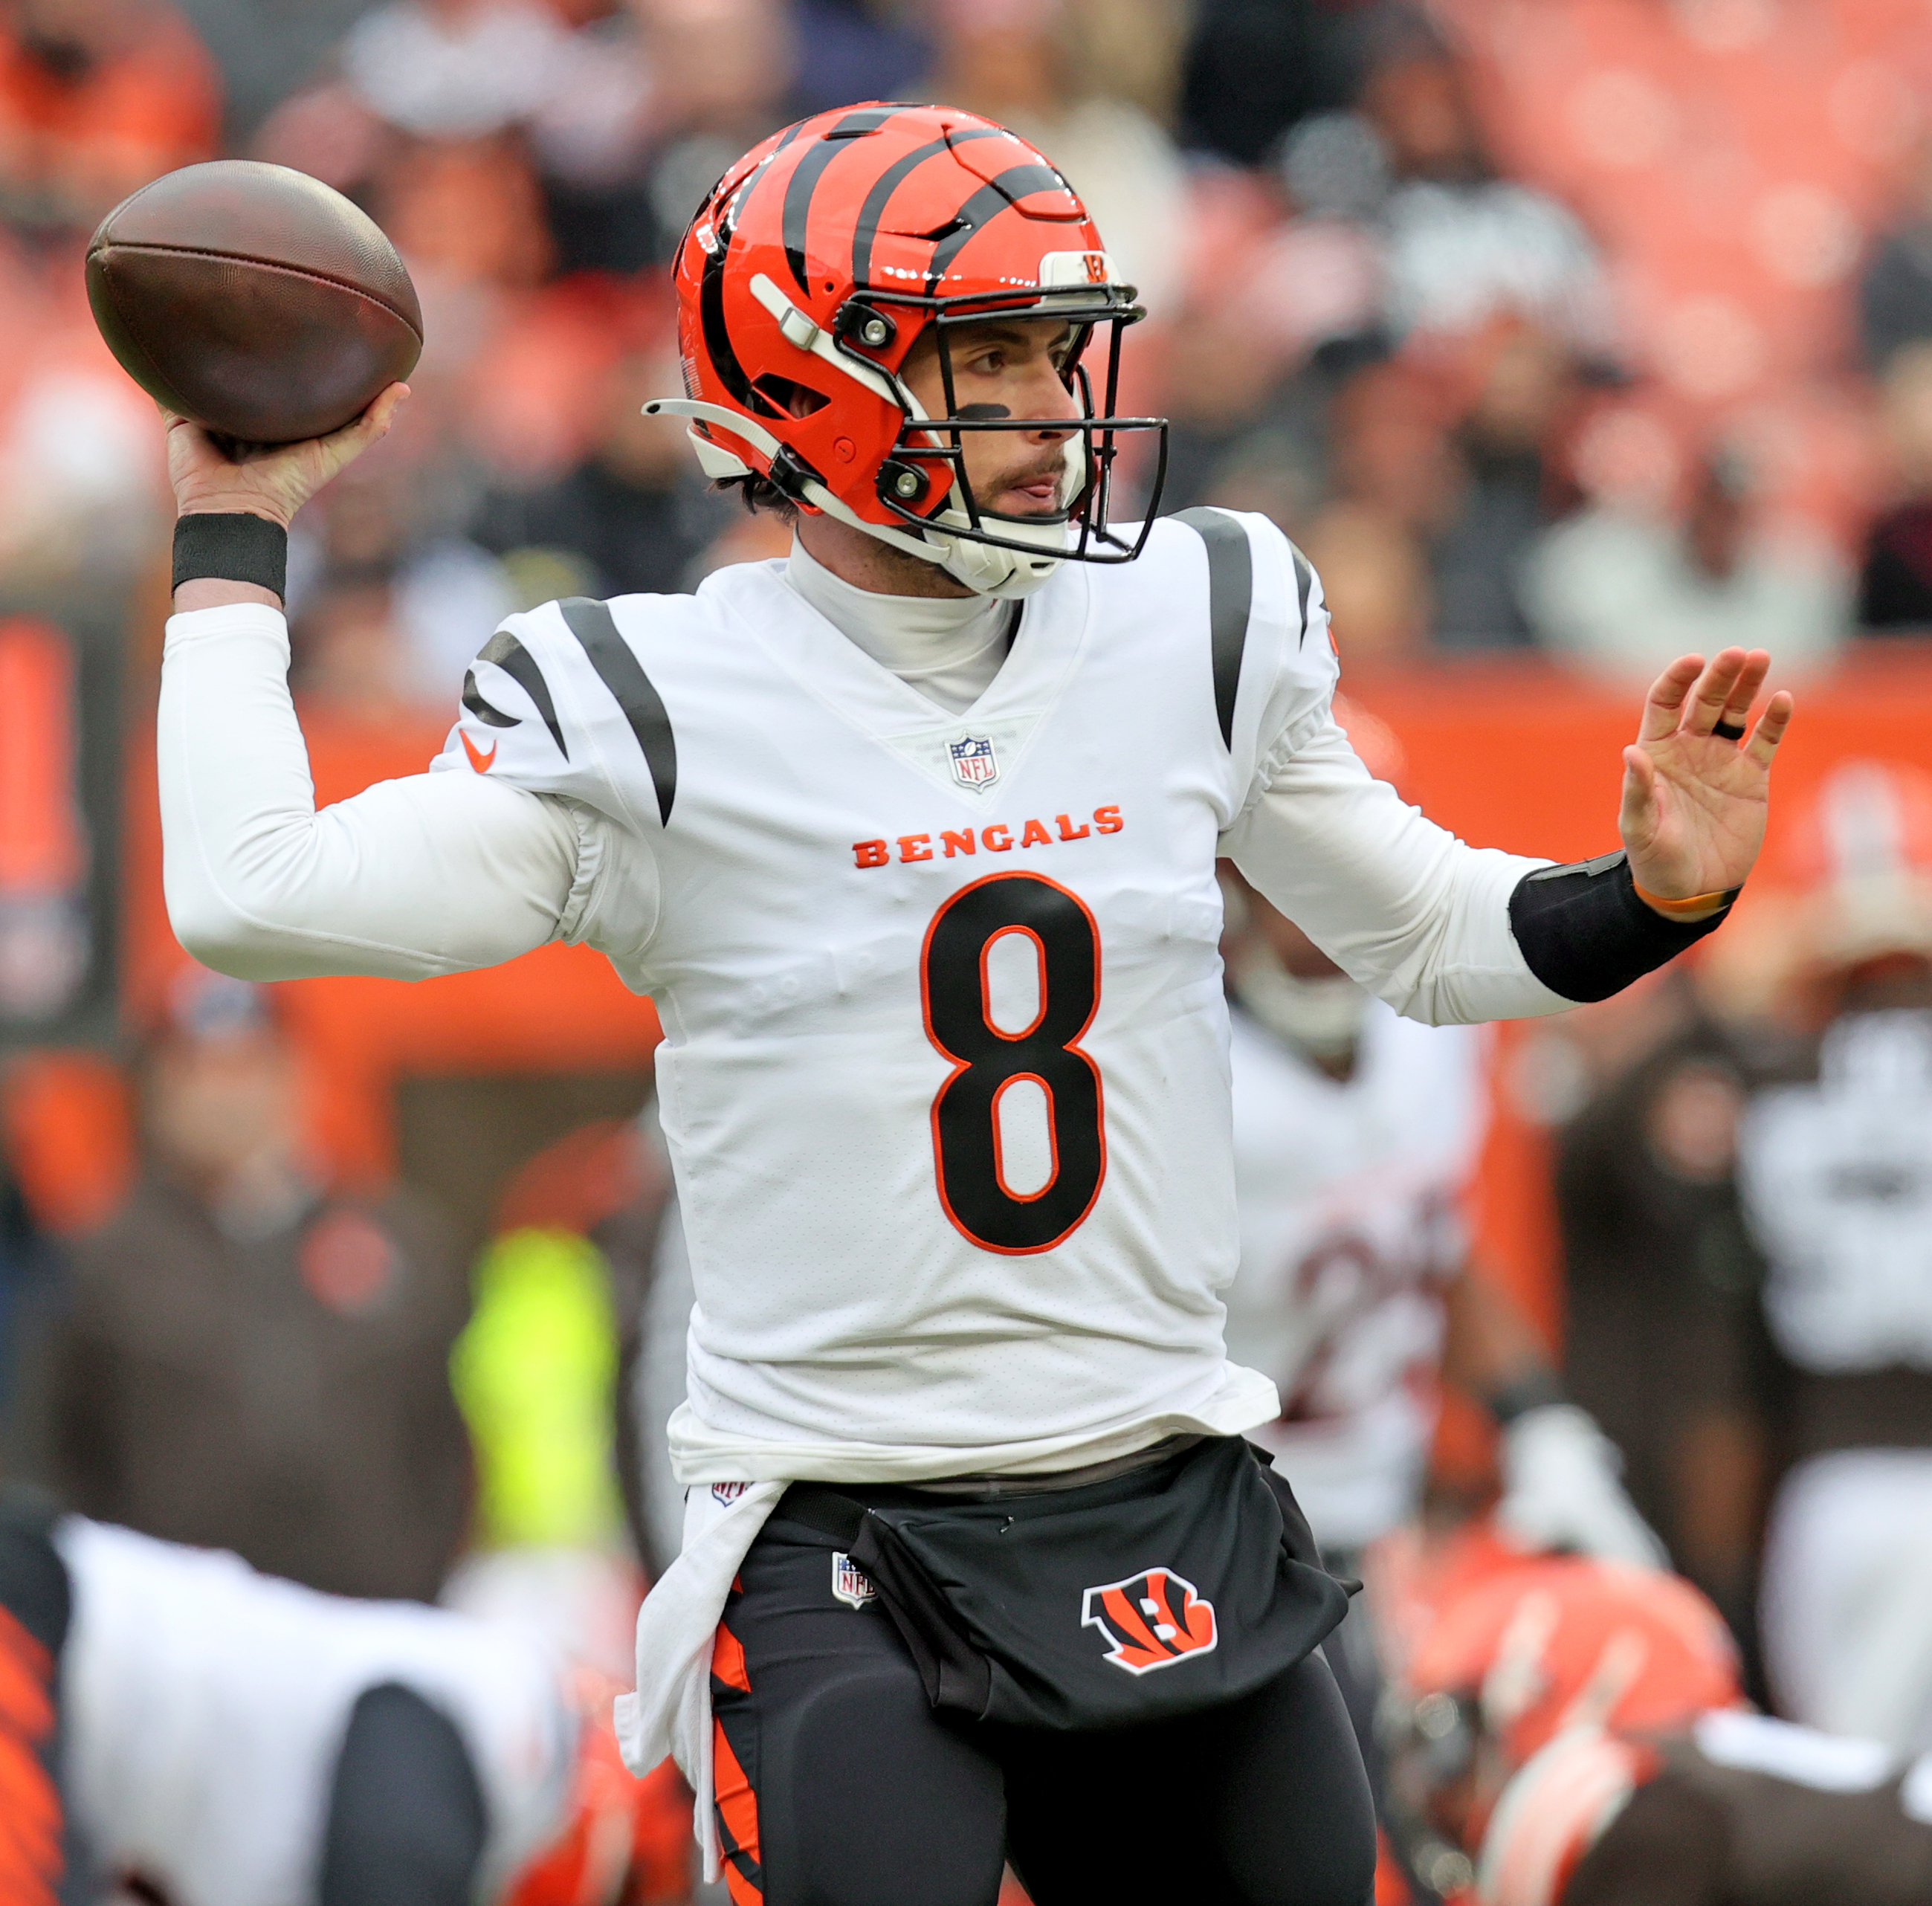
(1695, 799)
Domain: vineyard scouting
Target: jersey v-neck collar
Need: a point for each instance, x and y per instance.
(864, 693)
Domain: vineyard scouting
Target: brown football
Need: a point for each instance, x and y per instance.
(254, 299)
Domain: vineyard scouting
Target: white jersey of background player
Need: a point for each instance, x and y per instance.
(1350, 1238)
(203, 1706)
(802, 806)
(1356, 1133)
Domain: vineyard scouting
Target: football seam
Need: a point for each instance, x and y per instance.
(267, 265)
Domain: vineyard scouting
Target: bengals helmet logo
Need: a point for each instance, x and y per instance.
(1151, 1620)
(1095, 265)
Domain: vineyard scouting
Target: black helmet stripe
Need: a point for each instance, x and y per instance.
(711, 305)
(1008, 189)
(887, 183)
(804, 180)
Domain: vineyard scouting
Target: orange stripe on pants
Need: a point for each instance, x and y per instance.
(31, 1862)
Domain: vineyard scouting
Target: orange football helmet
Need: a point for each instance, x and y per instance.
(812, 268)
(1557, 1645)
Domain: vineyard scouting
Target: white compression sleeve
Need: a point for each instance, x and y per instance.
(1401, 904)
(433, 873)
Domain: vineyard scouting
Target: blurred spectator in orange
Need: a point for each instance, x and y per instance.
(96, 98)
(1895, 588)
(1022, 63)
(467, 215)
(630, 517)
(248, 1360)
(1626, 593)
(1255, 68)
(1835, 1170)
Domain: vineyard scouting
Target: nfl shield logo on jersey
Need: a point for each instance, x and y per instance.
(1151, 1620)
(849, 1583)
(974, 763)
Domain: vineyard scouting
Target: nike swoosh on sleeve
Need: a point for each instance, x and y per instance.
(480, 761)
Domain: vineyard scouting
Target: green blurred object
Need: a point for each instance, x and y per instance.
(533, 1373)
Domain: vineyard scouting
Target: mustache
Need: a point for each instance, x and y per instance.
(1050, 468)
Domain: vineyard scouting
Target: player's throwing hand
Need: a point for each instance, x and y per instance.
(1694, 799)
(276, 481)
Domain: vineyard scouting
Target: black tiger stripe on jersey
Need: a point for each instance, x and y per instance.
(516, 661)
(805, 174)
(1230, 595)
(1304, 582)
(484, 711)
(623, 674)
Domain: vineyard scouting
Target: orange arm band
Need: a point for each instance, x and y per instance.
(1697, 903)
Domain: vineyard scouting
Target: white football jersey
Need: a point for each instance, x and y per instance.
(1836, 1181)
(1349, 1196)
(203, 1706)
(944, 1078)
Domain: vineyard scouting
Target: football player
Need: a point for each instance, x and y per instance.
(1834, 1174)
(177, 1729)
(1572, 1733)
(912, 838)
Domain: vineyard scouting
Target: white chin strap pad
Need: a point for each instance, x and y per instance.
(1006, 573)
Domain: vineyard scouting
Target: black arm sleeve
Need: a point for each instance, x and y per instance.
(1586, 934)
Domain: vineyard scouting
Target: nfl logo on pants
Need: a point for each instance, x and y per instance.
(849, 1583)
(973, 761)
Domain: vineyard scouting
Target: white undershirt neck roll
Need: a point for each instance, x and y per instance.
(948, 647)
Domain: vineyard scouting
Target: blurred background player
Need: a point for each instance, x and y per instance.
(1835, 1175)
(1356, 1131)
(177, 1730)
(1572, 1733)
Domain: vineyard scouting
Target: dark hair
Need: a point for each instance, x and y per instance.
(760, 493)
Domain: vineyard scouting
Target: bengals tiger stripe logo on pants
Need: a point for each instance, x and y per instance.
(1151, 1620)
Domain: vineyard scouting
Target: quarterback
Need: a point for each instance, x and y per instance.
(912, 839)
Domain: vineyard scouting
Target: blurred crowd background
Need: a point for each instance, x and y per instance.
(1563, 336)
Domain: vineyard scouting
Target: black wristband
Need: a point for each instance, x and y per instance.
(232, 546)
(1585, 933)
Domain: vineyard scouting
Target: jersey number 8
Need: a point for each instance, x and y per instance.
(987, 1060)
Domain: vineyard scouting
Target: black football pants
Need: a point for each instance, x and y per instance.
(838, 1785)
